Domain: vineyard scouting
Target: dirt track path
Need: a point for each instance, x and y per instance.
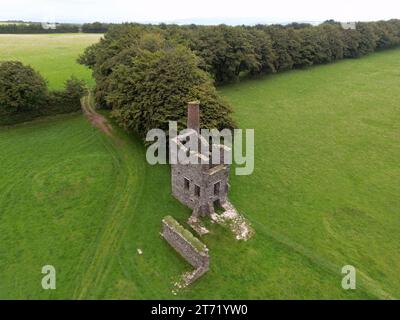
(98, 262)
(96, 119)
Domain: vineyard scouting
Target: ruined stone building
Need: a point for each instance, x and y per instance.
(202, 187)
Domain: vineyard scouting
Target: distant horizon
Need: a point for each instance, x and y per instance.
(197, 21)
(230, 12)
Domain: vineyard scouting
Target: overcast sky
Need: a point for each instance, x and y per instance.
(221, 11)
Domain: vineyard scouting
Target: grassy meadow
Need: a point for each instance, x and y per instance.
(324, 193)
(53, 55)
(327, 177)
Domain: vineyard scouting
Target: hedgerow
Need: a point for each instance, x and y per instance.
(24, 94)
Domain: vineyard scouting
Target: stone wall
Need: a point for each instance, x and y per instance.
(205, 179)
(190, 251)
(194, 256)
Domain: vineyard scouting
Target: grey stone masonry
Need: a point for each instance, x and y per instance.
(184, 246)
(189, 247)
(204, 186)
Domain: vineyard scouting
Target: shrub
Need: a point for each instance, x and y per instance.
(21, 88)
(24, 95)
(67, 100)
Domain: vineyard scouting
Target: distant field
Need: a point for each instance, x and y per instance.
(324, 194)
(17, 23)
(54, 56)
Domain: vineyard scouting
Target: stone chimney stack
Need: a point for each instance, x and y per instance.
(193, 117)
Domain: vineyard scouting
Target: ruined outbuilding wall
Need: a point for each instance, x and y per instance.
(192, 250)
(197, 258)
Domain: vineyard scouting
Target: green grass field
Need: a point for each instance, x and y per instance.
(324, 194)
(53, 55)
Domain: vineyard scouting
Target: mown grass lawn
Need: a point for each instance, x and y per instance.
(327, 175)
(53, 55)
(324, 194)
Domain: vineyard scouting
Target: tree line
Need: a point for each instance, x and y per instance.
(147, 73)
(95, 27)
(228, 52)
(37, 28)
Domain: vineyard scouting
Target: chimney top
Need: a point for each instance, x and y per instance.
(193, 117)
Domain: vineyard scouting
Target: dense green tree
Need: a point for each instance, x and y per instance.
(387, 35)
(95, 27)
(351, 43)
(225, 51)
(368, 38)
(331, 22)
(21, 87)
(281, 46)
(153, 88)
(334, 41)
(310, 48)
(382, 36)
(298, 25)
(264, 55)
